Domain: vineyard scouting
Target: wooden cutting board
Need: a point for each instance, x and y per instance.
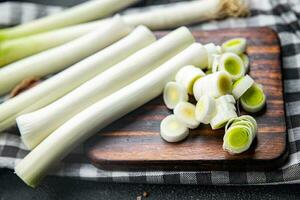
(133, 142)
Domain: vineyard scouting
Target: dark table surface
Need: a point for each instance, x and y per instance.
(11, 187)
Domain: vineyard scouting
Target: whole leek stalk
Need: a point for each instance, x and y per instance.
(16, 49)
(36, 126)
(85, 12)
(61, 57)
(63, 140)
(155, 18)
(67, 80)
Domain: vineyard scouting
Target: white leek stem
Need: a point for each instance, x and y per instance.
(85, 12)
(36, 126)
(67, 80)
(156, 17)
(177, 14)
(61, 142)
(16, 49)
(61, 57)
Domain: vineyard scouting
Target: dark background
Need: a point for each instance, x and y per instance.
(11, 187)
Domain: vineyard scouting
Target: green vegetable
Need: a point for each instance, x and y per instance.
(61, 57)
(36, 126)
(236, 45)
(85, 12)
(16, 49)
(67, 80)
(254, 99)
(172, 129)
(239, 134)
(232, 64)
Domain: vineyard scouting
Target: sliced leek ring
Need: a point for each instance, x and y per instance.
(245, 123)
(226, 106)
(254, 99)
(246, 61)
(186, 113)
(250, 119)
(187, 77)
(205, 109)
(237, 139)
(215, 62)
(241, 86)
(211, 50)
(221, 118)
(173, 130)
(214, 85)
(232, 64)
(227, 98)
(236, 45)
(173, 94)
(245, 120)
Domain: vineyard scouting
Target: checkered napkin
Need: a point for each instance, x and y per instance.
(281, 15)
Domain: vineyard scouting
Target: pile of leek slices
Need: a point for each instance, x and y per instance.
(217, 88)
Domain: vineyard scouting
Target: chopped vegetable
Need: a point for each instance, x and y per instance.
(241, 85)
(236, 45)
(215, 62)
(254, 99)
(246, 61)
(173, 94)
(221, 118)
(85, 12)
(61, 57)
(214, 85)
(187, 76)
(233, 65)
(80, 127)
(186, 113)
(227, 98)
(239, 134)
(211, 50)
(36, 126)
(172, 129)
(205, 109)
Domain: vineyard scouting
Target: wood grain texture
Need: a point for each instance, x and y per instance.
(133, 142)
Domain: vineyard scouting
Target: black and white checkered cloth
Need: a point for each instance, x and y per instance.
(281, 15)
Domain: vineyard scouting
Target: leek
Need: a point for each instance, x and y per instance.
(236, 45)
(158, 18)
(36, 126)
(188, 75)
(239, 134)
(61, 57)
(254, 99)
(16, 49)
(186, 113)
(80, 127)
(67, 80)
(173, 94)
(214, 85)
(172, 129)
(205, 109)
(85, 12)
(233, 65)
